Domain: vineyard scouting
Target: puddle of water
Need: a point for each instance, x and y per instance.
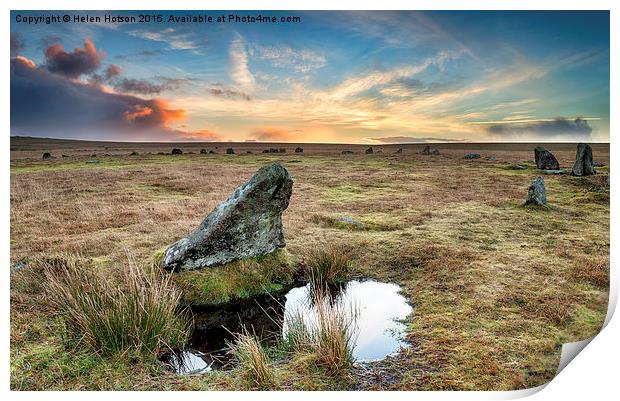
(379, 308)
(189, 362)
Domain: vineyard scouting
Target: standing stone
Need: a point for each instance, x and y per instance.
(583, 161)
(203, 151)
(369, 151)
(472, 156)
(247, 224)
(426, 150)
(299, 150)
(177, 151)
(230, 151)
(435, 152)
(536, 194)
(545, 160)
(399, 151)
(47, 155)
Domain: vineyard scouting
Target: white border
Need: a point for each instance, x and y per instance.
(593, 374)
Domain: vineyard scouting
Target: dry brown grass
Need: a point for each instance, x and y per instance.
(497, 288)
(134, 314)
(253, 362)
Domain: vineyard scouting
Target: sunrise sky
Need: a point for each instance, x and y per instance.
(349, 77)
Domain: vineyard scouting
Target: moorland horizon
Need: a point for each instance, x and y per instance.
(248, 142)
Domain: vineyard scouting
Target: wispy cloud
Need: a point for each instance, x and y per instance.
(282, 56)
(240, 72)
(170, 36)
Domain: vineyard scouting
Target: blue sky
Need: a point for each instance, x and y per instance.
(355, 77)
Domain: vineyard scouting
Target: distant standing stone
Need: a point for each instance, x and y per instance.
(536, 194)
(545, 160)
(583, 161)
(230, 151)
(399, 151)
(177, 151)
(47, 155)
(471, 156)
(203, 151)
(134, 153)
(247, 224)
(299, 150)
(426, 150)
(369, 151)
(435, 152)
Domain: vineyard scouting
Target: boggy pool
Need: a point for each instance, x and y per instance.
(379, 330)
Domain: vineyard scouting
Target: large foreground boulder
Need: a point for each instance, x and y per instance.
(536, 193)
(545, 160)
(247, 224)
(583, 161)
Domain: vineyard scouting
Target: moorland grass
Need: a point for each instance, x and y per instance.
(326, 264)
(236, 280)
(329, 335)
(497, 288)
(253, 362)
(135, 313)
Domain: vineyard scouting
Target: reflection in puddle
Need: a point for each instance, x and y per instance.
(188, 362)
(379, 308)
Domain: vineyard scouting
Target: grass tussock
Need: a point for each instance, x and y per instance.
(592, 270)
(329, 334)
(134, 313)
(253, 362)
(327, 264)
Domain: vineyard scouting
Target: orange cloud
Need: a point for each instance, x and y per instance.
(25, 62)
(152, 113)
(138, 111)
(274, 134)
(201, 135)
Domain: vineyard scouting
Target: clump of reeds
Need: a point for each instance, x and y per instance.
(330, 332)
(253, 361)
(133, 312)
(327, 264)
